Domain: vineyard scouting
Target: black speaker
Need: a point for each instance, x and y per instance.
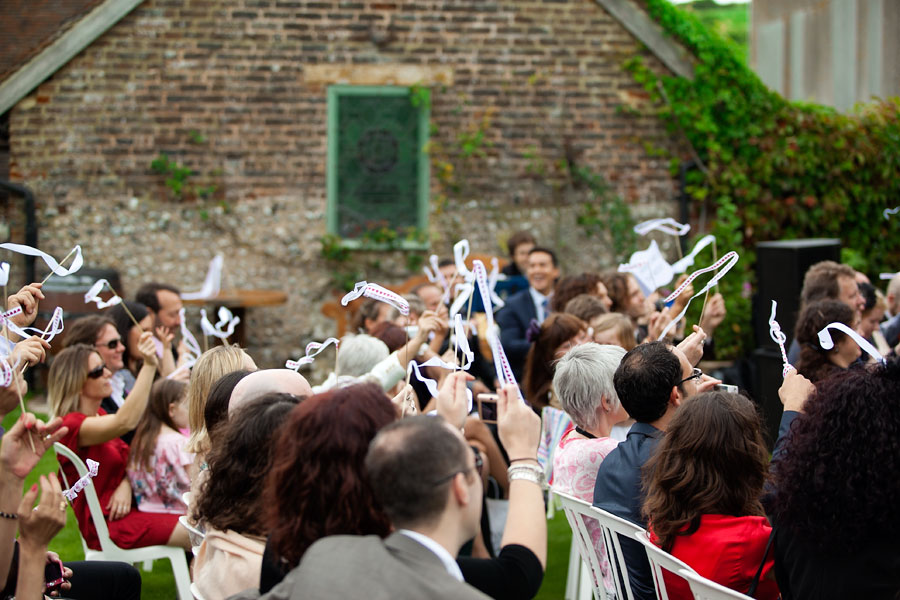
(768, 380)
(780, 267)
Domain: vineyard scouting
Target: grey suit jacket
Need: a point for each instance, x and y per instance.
(368, 568)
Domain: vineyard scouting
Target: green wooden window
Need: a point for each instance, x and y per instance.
(377, 164)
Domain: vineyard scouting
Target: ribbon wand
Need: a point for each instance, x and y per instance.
(716, 272)
(22, 406)
(49, 275)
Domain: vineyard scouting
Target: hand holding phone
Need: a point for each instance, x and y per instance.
(487, 407)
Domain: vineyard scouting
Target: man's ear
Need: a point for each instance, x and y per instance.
(459, 489)
(675, 397)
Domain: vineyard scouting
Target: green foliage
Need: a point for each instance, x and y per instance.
(774, 169)
(607, 215)
(176, 174)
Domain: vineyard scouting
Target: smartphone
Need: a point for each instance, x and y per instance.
(487, 407)
(724, 387)
(53, 576)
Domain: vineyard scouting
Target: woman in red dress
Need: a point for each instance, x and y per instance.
(704, 488)
(78, 383)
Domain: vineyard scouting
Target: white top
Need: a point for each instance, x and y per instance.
(438, 550)
(538, 299)
(117, 382)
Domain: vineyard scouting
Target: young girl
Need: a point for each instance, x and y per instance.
(157, 466)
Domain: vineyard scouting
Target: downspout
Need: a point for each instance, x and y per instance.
(31, 231)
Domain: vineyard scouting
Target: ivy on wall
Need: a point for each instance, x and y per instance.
(774, 169)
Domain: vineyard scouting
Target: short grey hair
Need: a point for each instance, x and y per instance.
(585, 375)
(358, 354)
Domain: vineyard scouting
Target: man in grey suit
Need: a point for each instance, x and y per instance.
(425, 476)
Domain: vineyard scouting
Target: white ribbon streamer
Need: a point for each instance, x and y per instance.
(666, 225)
(779, 338)
(188, 338)
(493, 278)
(460, 252)
(376, 292)
(226, 320)
(890, 211)
(884, 276)
(10, 313)
(501, 362)
(54, 327)
(72, 492)
(4, 273)
(49, 260)
(212, 283)
(723, 265)
(688, 261)
(93, 295)
(827, 343)
(462, 342)
(463, 292)
(431, 384)
(649, 268)
(313, 349)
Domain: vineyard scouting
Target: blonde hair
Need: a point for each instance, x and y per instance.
(66, 379)
(621, 324)
(209, 368)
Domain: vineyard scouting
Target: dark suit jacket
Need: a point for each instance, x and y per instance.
(368, 568)
(513, 320)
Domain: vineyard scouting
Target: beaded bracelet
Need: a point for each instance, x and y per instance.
(13, 516)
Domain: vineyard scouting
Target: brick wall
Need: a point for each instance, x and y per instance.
(235, 71)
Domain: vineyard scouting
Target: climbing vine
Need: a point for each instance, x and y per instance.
(774, 169)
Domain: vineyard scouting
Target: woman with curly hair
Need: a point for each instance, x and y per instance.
(704, 483)
(559, 333)
(815, 363)
(231, 504)
(317, 484)
(837, 484)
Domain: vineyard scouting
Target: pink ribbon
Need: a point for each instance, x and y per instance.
(54, 327)
(723, 265)
(72, 492)
(376, 292)
(501, 362)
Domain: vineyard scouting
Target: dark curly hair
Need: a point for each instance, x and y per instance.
(837, 482)
(814, 362)
(231, 497)
(317, 485)
(537, 379)
(571, 286)
(712, 460)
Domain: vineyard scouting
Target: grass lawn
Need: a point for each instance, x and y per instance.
(160, 584)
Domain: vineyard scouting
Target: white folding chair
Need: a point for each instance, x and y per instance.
(109, 550)
(661, 561)
(196, 535)
(611, 526)
(705, 589)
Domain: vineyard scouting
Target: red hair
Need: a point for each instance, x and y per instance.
(317, 485)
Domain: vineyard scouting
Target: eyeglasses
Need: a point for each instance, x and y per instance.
(112, 344)
(695, 374)
(97, 373)
(479, 465)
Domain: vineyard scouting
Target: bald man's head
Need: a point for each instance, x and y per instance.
(284, 381)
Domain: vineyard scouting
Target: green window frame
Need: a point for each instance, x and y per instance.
(336, 225)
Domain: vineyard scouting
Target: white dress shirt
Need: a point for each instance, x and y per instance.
(541, 304)
(441, 552)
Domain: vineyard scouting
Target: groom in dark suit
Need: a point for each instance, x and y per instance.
(533, 303)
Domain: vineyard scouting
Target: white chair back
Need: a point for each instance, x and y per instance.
(196, 535)
(90, 494)
(661, 561)
(109, 550)
(705, 589)
(612, 527)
